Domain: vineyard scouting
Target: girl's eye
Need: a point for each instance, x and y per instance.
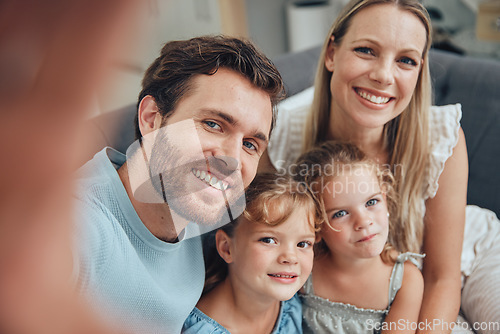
(339, 214)
(408, 61)
(249, 145)
(304, 244)
(372, 202)
(212, 125)
(268, 240)
(364, 50)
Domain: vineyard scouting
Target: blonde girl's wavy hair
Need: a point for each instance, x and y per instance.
(270, 199)
(323, 163)
(406, 136)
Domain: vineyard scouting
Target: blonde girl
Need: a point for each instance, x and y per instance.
(261, 260)
(359, 284)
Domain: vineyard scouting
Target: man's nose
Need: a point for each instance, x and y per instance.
(225, 156)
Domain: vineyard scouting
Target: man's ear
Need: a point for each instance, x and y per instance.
(224, 246)
(329, 54)
(148, 116)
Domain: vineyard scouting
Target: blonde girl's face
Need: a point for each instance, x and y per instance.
(357, 212)
(272, 262)
(376, 66)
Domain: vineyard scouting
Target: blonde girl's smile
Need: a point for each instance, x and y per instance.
(273, 261)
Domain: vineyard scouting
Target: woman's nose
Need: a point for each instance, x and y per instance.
(383, 72)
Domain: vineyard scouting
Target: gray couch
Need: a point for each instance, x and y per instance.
(475, 83)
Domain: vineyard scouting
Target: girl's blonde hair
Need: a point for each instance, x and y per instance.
(270, 199)
(321, 164)
(406, 136)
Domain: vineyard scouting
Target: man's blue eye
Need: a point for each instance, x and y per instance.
(212, 124)
(249, 145)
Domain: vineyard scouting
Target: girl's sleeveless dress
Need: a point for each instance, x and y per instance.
(324, 316)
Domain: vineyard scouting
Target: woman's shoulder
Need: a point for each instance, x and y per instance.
(286, 141)
(444, 131)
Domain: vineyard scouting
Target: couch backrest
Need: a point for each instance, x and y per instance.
(475, 83)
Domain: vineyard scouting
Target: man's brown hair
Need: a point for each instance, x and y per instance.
(168, 78)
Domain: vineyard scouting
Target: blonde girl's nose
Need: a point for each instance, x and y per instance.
(363, 222)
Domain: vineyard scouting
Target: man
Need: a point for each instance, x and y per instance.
(136, 262)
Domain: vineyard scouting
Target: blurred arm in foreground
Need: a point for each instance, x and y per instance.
(53, 54)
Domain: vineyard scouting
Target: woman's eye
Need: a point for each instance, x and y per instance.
(408, 61)
(364, 50)
(268, 240)
(339, 214)
(249, 145)
(372, 202)
(304, 244)
(212, 125)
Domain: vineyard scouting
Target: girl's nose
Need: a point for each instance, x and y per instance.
(288, 256)
(363, 222)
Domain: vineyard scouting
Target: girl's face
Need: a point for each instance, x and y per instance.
(272, 262)
(357, 210)
(376, 66)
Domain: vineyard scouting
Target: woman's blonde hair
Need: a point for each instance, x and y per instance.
(321, 164)
(406, 136)
(270, 199)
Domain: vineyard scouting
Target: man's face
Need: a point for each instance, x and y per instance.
(208, 149)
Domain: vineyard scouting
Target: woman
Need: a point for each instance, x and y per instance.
(373, 89)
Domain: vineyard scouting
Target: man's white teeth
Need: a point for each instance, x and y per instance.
(210, 179)
(373, 98)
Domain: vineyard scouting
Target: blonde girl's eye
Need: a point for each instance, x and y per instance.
(304, 244)
(372, 202)
(339, 214)
(268, 240)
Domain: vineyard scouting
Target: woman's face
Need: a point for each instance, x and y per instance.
(376, 66)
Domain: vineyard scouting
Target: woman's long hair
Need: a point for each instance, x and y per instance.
(406, 136)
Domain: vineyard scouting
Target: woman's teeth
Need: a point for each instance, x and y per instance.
(373, 98)
(210, 179)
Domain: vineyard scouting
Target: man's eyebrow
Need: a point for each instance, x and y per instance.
(230, 119)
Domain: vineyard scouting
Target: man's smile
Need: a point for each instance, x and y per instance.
(210, 179)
